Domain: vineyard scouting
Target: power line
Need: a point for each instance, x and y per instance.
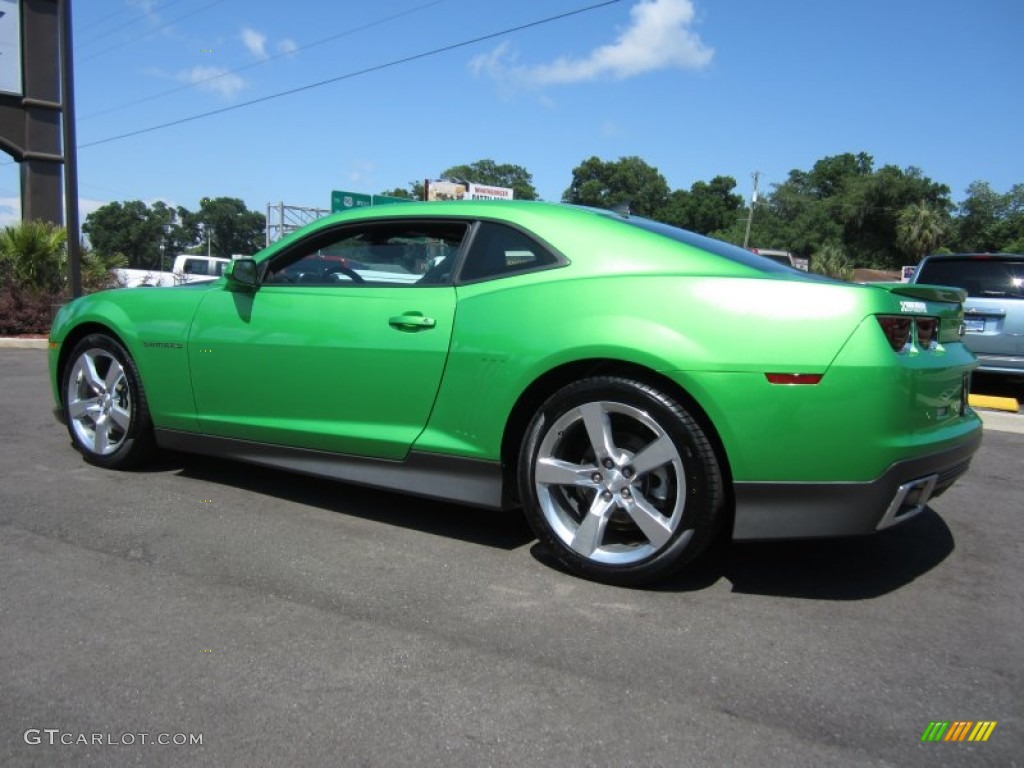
(152, 31)
(282, 54)
(118, 12)
(358, 73)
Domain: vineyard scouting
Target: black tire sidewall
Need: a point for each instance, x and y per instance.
(138, 441)
(703, 479)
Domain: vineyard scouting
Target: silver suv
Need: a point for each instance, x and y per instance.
(994, 310)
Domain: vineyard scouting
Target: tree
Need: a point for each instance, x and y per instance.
(768, 230)
(707, 207)
(842, 199)
(626, 181)
(988, 221)
(489, 172)
(98, 269)
(33, 275)
(830, 260)
(872, 207)
(920, 230)
(398, 192)
(180, 229)
(131, 228)
(229, 227)
(33, 258)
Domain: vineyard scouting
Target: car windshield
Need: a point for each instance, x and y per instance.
(981, 277)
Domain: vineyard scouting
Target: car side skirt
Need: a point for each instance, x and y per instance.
(449, 478)
(818, 510)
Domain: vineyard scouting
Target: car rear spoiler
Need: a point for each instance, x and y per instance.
(926, 292)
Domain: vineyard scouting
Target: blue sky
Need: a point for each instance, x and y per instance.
(697, 88)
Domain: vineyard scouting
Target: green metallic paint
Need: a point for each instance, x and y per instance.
(322, 368)
(137, 316)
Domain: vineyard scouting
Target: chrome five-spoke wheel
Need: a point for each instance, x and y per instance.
(99, 401)
(610, 482)
(104, 406)
(620, 481)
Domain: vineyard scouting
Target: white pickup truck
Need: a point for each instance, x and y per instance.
(187, 268)
(784, 257)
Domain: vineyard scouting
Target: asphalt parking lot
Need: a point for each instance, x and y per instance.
(289, 621)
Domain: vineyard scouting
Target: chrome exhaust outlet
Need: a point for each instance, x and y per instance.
(910, 499)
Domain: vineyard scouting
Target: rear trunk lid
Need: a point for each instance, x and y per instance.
(941, 301)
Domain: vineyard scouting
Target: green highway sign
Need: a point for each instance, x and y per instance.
(345, 201)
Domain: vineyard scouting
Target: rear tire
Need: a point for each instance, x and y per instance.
(619, 481)
(105, 407)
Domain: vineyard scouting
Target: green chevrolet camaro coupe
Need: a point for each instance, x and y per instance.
(636, 389)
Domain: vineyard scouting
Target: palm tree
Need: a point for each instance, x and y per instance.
(33, 258)
(920, 229)
(831, 260)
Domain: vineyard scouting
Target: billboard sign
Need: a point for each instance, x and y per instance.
(445, 190)
(10, 46)
(463, 190)
(487, 192)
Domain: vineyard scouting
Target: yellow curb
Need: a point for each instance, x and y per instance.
(995, 403)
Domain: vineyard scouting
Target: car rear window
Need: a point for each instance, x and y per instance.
(717, 247)
(980, 277)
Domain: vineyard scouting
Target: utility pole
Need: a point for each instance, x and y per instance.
(750, 214)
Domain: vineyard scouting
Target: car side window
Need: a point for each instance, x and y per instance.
(195, 267)
(498, 250)
(390, 254)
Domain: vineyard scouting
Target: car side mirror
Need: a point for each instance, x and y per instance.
(242, 275)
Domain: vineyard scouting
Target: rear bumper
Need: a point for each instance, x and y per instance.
(815, 510)
(1008, 364)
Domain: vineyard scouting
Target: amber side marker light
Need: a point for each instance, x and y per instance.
(793, 378)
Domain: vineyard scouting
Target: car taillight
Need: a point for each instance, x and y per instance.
(926, 331)
(794, 378)
(897, 330)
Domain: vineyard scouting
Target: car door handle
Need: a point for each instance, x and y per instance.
(411, 321)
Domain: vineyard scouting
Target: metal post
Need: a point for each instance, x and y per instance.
(67, 89)
(750, 215)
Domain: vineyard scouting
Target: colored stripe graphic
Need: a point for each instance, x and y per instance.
(982, 730)
(958, 730)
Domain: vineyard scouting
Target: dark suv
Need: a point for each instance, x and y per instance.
(994, 310)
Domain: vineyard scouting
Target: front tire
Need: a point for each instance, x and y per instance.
(104, 404)
(619, 481)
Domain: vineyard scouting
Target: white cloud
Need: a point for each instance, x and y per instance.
(255, 41)
(361, 174)
(287, 45)
(658, 37)
(214, 79)
(148, 8)
(610, 129)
